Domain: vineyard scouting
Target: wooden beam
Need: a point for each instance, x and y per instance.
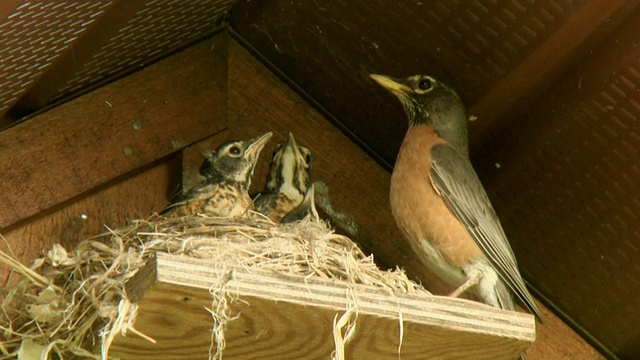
(291, 317)
(135, 197)
(120, 127)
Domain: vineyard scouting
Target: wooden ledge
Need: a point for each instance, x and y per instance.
(291, 317)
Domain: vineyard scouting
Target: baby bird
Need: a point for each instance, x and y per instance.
(227, 171)
(288, 180)
(305, 210)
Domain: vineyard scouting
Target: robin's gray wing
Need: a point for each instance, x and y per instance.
(455, 180)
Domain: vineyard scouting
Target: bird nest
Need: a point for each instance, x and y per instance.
(70, 300)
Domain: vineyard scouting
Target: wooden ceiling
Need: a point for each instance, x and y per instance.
(53, 51)
(554, 85)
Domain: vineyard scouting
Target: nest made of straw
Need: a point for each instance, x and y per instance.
(68, 301)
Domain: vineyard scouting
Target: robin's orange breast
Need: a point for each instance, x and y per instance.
(421, 213)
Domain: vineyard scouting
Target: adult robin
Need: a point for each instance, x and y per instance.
(288, 180)
(227, 172)
(440, 205)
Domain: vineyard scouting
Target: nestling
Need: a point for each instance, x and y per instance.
(305, 210)
(288, 180)
(227, 172)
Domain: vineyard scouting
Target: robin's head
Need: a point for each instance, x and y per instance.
(290, 171)
(428, 101)
(234, 161)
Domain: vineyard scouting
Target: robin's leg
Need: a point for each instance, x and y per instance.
(472, 280)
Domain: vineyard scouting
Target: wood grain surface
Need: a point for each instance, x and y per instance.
(118, 128)
(135, 197)
(291, 317)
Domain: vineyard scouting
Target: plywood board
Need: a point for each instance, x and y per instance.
(291, 317)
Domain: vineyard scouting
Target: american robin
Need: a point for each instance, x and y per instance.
(440, 205)
(288, 180)
(227, 172)
(305, 210)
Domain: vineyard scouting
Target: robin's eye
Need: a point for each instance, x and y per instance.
(425, 84)
(308, 158)
(235, 150)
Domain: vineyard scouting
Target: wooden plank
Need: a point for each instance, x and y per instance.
(291, 317)
(122, 126)
(258, 101)
(132, 198)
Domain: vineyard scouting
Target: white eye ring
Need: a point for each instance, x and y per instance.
(235, 151)
(425, 84)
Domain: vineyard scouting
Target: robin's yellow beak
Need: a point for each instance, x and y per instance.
(390, 84)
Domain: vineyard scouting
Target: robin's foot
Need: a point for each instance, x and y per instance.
(473, 280)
